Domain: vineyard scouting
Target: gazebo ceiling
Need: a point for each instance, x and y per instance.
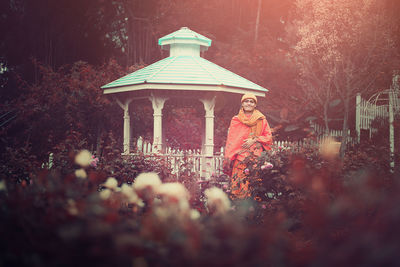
(184, 69)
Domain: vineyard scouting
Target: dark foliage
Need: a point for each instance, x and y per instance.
(313, 211)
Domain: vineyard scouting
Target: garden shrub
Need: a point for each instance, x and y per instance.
(313, 211)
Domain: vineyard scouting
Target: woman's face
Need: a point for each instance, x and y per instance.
(248, 105)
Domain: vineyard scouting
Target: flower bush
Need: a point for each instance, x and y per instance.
(310, 210)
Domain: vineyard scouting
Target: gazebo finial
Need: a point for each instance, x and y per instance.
(184, 42)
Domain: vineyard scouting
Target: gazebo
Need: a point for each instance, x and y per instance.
(183, 74)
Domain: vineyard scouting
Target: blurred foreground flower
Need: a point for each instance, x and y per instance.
(329, 148)
(71, 207)
(105, 194)
(83, 158)
(111, 183)
(146, 184)
(128, 192)
(217, 201)
(3, 186)
(147, 179)
(194, 214)
(80, 173)
(174, 194)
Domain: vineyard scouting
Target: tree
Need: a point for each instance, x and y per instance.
(342, 45)
(53, 33)
(65, 100)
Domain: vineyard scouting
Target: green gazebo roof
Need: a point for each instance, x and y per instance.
(185, 70)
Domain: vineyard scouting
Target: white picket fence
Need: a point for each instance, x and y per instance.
(321, 133)
(384, 105)
(366, 112)
(193, 161)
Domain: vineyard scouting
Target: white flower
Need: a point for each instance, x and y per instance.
(217, 201)
(72, 209)
(194, 214)
(83, 158)
(173, 190)
(105, 194)
(329, 148)
(130, 194)
(162, 213)
(80, 173)
(140, 203)
(127, 190)
(147, 179)
(174, 193)
(3, 186)
(111, 183)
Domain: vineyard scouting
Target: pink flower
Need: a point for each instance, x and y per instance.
(263, 206)
(246, 171)
(94, 161)
(267, 166)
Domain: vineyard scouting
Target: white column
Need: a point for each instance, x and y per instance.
(158, 105)
(208, 152)
(127, 133)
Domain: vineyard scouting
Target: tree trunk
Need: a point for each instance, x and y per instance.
(326, 118)
(129, 44)
(99, 140)
(257, 21)
(345, 126)
(240, 15)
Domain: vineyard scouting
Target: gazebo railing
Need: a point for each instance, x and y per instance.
(192, 162)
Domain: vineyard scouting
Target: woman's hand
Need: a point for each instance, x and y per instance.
(249, 142)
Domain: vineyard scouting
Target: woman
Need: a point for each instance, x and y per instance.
(249, 134)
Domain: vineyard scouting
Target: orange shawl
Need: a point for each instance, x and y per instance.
(255, 121)
(243, 127)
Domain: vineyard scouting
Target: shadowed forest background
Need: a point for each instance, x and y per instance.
(313, 57)
(55, 56)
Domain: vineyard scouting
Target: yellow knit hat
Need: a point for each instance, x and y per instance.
(249, 96)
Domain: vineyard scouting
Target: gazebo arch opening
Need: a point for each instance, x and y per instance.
(183, 123)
